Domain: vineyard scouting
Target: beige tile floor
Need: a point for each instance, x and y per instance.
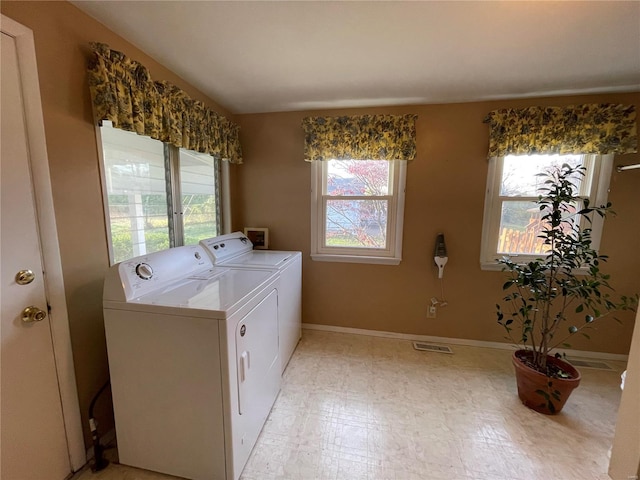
(356, 407)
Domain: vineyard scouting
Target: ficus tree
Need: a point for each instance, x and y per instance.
(544, 297)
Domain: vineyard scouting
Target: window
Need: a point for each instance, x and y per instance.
(357, 210)
(156, 195)
(512, 221)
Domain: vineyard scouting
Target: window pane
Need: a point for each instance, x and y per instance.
(519, 173)
(356, 223)
(199, 200)
(358, 178)
(520, 227)
(136, 195)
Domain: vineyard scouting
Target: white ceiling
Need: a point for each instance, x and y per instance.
(269, 56)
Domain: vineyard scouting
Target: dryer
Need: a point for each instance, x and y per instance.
(193, 359)
(236, 250)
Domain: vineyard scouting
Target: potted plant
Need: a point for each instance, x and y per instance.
(545, 295)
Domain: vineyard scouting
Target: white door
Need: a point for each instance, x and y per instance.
(258, 370)
(32, 441)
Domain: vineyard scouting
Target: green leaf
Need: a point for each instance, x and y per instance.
(579, 308)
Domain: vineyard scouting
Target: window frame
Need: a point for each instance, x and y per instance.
(173, 191)
(392, 254)
(599, 168)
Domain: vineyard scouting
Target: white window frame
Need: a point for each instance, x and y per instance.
(599, 169)
(174, 207)
(392, 254)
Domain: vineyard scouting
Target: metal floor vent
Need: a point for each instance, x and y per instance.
(595, 364)
(431, 347)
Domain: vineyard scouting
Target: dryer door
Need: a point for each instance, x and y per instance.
(258, 361)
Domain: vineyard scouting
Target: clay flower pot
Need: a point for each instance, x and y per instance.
(538, 391)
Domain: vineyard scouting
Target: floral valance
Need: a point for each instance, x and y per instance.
(363, 137)
(123, 92)
(579, 129)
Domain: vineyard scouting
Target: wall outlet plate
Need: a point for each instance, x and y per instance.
(431, 311)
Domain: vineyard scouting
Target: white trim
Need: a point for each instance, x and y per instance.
(225, 197)
(600, 197)
(103, 187)
(456, 341)
(392, 255)
(599, 176)
(59, 319)
(324, 257)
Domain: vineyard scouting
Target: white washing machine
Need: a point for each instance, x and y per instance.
(236, 250)
(193, 359)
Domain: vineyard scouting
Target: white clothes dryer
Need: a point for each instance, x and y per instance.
(193, 359)
(236, 250)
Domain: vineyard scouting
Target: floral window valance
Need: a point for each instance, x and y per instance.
(363, 137)
(123, 92)
(579, 129)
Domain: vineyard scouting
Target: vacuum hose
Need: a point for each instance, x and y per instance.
(99, 462)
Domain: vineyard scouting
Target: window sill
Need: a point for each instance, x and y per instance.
(323, 257)
(491, 267)
(497, 267)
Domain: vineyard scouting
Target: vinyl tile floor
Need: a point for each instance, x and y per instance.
(358, 407)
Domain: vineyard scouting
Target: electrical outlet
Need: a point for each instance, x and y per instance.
(431, 311)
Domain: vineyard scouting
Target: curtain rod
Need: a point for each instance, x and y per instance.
(622, 168)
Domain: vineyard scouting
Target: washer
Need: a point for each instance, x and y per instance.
(236, 250)
(193, 359)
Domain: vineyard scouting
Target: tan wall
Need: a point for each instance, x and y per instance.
(62, 35)
(444, 193)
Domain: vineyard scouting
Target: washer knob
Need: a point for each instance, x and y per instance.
(144, 271)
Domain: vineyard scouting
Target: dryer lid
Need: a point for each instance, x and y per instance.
(216, 296)
(260, 258)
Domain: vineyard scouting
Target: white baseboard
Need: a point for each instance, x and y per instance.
(458, 341)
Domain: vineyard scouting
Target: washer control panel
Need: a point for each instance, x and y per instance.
(144, 271)
(142, 275)
(226, 247)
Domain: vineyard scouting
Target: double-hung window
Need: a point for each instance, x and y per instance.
(156, 195)
(358, 171)
(525, 142)
(357, 210)
(512, 221)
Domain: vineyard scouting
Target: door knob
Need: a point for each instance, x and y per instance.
(33, 314)
(24, 277)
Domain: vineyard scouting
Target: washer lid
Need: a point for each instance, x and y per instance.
(216, 293)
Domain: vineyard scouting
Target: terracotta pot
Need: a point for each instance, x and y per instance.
(541, 393)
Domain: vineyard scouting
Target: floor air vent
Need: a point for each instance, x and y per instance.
(598, 365)
(430, 347)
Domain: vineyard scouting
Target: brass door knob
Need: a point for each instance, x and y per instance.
(33, 314)
(24, 277)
